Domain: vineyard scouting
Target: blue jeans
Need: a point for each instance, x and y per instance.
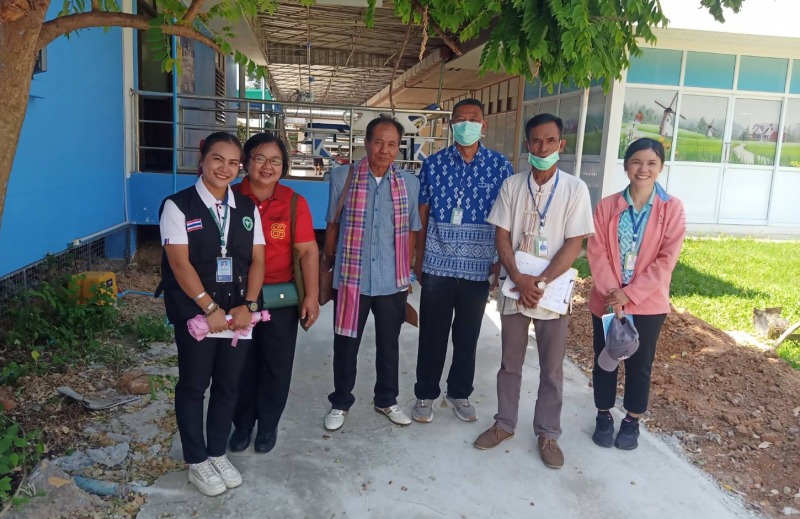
(448, 304)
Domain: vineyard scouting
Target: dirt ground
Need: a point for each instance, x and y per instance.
(734, 410)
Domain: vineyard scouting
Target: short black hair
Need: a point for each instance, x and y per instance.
(384, 119)
(644, 143)
(205, 144)
(539, 120)
(470, 101)
(258, 140)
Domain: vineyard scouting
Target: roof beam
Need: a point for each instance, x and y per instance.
(279, 53)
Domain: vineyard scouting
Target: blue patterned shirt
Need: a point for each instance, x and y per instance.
(625, 230)
(378, 272)
(467, 250)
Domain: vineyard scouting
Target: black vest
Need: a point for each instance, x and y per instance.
(204, 249)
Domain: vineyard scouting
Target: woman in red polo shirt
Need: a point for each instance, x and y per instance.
(265, 380)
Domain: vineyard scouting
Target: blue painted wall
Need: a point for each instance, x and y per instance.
(67, 178)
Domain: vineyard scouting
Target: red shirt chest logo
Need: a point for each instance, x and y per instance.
(277, 231)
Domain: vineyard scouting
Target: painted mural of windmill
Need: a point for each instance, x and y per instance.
(668, 119)
(710, 128)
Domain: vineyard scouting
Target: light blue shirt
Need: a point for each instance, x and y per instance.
(378, 272)
(625, 230)
(464, 251)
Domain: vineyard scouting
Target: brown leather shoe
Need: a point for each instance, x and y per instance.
(492, 437)
(551, 452)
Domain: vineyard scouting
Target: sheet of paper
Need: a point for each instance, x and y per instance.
(558, 294)
(228, 334)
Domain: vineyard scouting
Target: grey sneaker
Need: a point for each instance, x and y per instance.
(423, 411)
(463, 409)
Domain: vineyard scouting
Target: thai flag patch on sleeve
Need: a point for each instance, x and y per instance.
(194, 225)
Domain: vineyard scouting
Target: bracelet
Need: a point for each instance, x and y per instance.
(198, 296)
(211, 308)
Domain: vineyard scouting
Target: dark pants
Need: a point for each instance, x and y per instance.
(210, 360)
(266, 376)
(389, 312)
(637, 368)
(442, 297)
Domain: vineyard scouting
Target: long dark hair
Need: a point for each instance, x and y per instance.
(258, 140)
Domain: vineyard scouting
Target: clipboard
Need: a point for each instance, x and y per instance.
(558, 294)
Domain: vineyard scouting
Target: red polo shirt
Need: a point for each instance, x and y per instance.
(276, 220)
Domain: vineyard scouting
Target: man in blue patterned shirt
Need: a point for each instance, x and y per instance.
(455, 258)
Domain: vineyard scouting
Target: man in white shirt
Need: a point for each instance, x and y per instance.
(547, 213)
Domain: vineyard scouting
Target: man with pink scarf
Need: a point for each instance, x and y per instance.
(370, 248)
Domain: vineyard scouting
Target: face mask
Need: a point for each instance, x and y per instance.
(467, 133)
(542, 164)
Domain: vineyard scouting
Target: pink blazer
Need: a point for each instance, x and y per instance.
(658, 254)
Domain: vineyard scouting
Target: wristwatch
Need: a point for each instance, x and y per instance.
(541, 285)
(251, 305)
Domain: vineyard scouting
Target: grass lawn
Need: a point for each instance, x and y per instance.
(699, 149)
(722, 280)
(790, 152)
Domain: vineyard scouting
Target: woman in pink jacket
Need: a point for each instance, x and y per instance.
(638, 237)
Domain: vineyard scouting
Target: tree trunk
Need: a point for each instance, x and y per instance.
(18, 40)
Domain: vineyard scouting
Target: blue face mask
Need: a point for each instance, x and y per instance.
(467, 133)
(542, 164)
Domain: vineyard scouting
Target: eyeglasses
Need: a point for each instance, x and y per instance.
(261, 159)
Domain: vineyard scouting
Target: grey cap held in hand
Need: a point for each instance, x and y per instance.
(622, 341)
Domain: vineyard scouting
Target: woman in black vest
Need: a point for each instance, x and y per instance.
(213, 264)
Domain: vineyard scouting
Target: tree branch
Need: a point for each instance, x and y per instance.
(439, 32)
(75, 22)
(191, 13)
(95, 5)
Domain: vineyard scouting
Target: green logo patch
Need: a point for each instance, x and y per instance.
(248, 223)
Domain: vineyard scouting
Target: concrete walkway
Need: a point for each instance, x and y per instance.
(373, 469)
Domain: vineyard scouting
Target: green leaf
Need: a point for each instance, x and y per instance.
(5, 484)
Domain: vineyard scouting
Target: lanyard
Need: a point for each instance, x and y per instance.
(460, 187)
(636, 224)
(221, 224)
(542, 214)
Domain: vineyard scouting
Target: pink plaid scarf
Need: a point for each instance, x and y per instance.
(349, 291)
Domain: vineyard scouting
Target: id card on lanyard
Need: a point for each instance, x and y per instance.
(224, 264)
(540, 247)
(457, 215)
(633, 254)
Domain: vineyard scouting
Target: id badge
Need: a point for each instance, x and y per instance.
(224, 270)
(630, 260)
(457, 216)
(540, 246)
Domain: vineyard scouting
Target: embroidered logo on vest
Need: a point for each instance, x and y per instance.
(277, 231)
(248, 223)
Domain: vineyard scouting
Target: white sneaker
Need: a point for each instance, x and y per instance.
(335, 419)
(395, 414)
(206, 479)
(229, 474)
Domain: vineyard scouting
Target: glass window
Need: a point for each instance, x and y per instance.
(762, 74)
(648, 113)
(569, 87)
(595, 120)
(546, 91)
(570, 112)
(794, 86)
(656, 67)
(701, 124)
(755, 132)
(704, 69)
(531, 109)
(532, 89)
(790, 149)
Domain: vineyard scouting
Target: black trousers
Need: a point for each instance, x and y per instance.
(637, 368)
(267, 373)
(441, 298)
(389, 312)
(212, 361)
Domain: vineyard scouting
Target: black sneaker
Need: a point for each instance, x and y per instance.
(604, 430)
(628, 435)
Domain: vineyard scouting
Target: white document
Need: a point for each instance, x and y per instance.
(558, 294)
(228, 334)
